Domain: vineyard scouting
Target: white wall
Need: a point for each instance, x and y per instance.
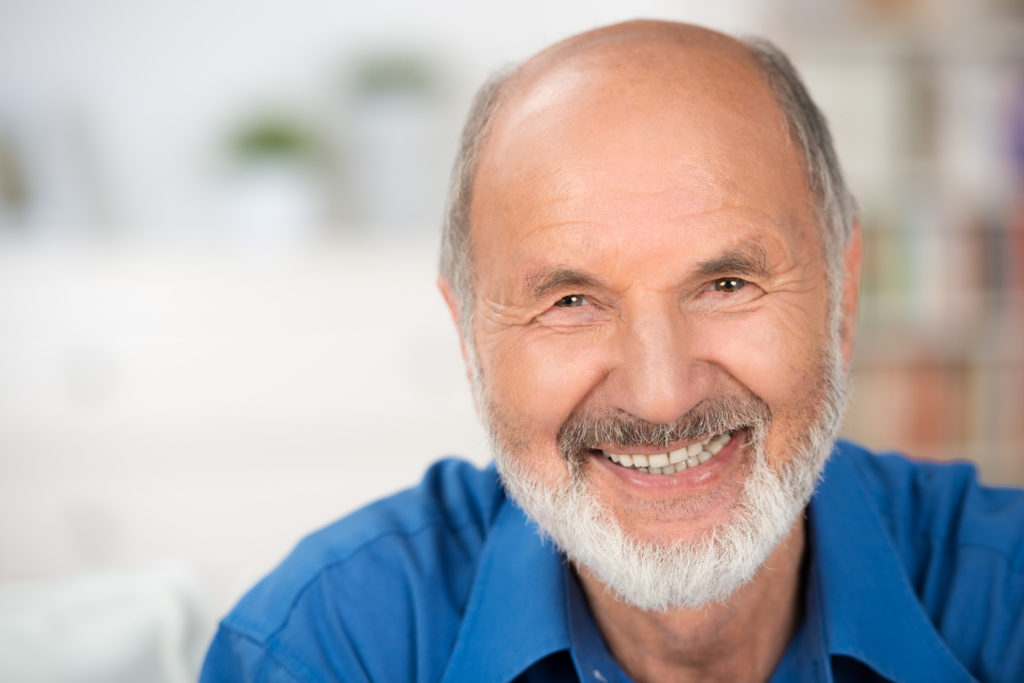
(140, 92)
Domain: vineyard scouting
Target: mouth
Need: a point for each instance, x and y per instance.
(671, 462)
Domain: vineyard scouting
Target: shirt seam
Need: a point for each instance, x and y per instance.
(267, 652)
(1003, 554)
(349, 556)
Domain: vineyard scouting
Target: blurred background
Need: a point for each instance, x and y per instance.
(218, 232)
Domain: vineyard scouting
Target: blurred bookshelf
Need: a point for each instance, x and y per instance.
(927, 109)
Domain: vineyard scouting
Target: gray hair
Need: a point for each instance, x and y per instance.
(456, 261)
(834, 206)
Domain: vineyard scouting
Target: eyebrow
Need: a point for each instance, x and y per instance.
(541, 283)
(748, 259)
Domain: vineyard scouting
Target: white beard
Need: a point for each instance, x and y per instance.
(712, 567)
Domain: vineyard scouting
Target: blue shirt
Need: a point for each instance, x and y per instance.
(915, 573)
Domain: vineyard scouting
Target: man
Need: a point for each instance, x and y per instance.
(653, 262)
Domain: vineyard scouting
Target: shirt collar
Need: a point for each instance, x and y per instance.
(516, 613)
(590, 654)
(858, 592)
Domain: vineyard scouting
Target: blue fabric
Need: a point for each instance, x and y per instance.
(915, 573)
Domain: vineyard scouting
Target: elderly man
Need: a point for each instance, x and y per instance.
(653, 262)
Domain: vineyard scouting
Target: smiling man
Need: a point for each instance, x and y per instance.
(653, 262)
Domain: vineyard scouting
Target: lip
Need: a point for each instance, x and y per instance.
(706, 475)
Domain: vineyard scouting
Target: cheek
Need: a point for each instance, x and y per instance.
(539, 380)
(771, 355)
(779, 364)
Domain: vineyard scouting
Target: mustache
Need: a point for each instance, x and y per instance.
(588, 429)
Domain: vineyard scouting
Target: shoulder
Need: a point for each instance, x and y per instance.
(962, 546)
(384, 587)
(942, 504)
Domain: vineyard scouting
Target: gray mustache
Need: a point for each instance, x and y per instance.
(588, 429)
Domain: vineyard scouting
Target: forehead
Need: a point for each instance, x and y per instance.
(635, 133)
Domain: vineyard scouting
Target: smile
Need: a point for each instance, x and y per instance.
(674, 461)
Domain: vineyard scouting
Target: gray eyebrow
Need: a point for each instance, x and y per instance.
(745, 260)
(541, 283)
(748, 259)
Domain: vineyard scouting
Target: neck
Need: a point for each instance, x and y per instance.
(741, 640)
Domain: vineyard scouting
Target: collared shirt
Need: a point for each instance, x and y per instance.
(915, 573)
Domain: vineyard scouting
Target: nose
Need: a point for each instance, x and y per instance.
(657, 376)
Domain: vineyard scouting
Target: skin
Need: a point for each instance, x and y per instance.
(644, 239)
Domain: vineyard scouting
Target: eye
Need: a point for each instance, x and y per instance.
(728, 284)
(571, 301)
(573, 311)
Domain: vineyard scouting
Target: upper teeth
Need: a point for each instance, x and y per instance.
(673, 461)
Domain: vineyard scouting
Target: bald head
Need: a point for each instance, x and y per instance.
(612, 87)
(654, 45)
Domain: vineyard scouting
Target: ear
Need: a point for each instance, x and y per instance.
(448, 292)
(851, 293)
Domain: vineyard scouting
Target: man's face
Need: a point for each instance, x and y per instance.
(646, 253)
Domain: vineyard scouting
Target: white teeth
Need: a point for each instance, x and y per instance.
(676, 461)
(717, 443)
(658, 460)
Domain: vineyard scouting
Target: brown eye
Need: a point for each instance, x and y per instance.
(571, 301)
(728, 284)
